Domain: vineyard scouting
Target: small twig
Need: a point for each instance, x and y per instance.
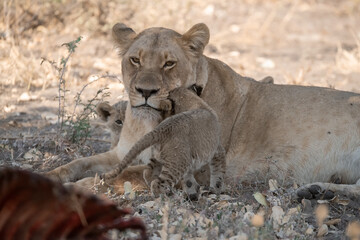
(165, 222)
(62, 82)
(77, 101)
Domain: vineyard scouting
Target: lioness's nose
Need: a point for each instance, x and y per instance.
(146, 93)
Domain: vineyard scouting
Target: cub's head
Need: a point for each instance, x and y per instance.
(156, 61)
(114, 117)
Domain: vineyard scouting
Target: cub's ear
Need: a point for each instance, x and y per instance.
(104, 111)
(123, 36)
(196, 38)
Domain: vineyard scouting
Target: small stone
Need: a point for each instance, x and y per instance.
(224, 197)
(24, 97)
(175, 237)
(309, 231)
(128, 191)
(148, 205)
(277, 216)
(241, 236)
(26, 166)
(307, 208)
(277, 213)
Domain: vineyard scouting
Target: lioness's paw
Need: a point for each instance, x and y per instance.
(314, 191)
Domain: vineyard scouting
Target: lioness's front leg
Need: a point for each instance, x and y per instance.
(84, 167)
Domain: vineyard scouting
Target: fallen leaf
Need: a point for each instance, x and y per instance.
(260, 198)
(33, 154)
(333, 221)
(343, 202)
(277, 216)
(353, 230)
(323, 230)
(307, 208)
(321, 212)
(273, 185)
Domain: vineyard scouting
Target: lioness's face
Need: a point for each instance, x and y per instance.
(157, 61)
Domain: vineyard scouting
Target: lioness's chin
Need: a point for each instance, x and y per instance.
(146, 113)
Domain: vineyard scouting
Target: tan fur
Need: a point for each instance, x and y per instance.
(279, 130)
(186, 141)
(114, 117)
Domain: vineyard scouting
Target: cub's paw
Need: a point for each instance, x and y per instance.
(166, 105)
(152, 171)
(217, 186)
(191, 189)
(315, 191)
(147, 175)
(160, 187)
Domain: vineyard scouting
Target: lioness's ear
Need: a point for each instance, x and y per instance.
(104, 111)
(123, 36)
(196, 38)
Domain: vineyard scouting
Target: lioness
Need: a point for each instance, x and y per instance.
(306, 133)
(184, 142)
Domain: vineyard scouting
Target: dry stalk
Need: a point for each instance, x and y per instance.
(165, 222)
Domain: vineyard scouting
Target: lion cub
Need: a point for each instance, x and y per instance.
(114, 117)
(186, 140)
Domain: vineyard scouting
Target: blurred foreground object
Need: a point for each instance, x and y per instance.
(34, 207)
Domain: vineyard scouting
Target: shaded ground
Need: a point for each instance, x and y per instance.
(296, 42)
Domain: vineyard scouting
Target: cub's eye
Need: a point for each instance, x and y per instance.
(169, 64)
(135, 61)
(119, 122)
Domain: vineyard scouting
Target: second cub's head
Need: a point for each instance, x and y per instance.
(114, 117)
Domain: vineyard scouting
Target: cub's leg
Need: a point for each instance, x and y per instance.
(84, 167)
(175, 165)
(217, 171)
(191, 187)
(152, 171)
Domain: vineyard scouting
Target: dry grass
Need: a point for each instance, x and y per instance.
(310, 42)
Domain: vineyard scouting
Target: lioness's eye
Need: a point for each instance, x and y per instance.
(118, 122)
(169, 64)
(135, 60)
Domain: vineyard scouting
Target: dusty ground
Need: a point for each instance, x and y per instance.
(297, 42)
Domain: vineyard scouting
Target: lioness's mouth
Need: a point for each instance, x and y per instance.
(145, 105)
